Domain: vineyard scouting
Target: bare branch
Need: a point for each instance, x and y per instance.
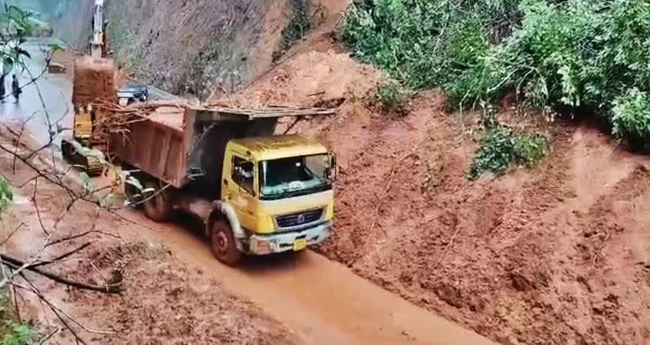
(20, 266)
(12, 234)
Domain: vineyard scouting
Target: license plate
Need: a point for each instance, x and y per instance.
(300, 244)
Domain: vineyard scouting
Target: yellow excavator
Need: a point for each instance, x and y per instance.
(93, 85)
(79, 150)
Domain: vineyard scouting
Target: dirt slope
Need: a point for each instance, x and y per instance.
(199, 46)
(553, 255)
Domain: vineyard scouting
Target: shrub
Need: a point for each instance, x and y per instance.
(296, 30)
(391, 97)
(500, 147)
(631, 119)
(571, 55)
(423, 44)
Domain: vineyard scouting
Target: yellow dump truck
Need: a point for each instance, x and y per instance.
(253, 192)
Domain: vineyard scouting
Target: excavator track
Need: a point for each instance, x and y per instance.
(92, 165)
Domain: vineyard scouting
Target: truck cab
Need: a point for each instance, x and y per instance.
(280, 188)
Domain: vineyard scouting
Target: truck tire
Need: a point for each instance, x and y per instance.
(223, 243)
(157, 205)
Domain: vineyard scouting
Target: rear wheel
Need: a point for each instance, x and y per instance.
(223, 243)
(157, 202)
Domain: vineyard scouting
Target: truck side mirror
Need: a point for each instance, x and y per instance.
(332, 168)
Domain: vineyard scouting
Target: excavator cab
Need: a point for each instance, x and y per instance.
(83, 125)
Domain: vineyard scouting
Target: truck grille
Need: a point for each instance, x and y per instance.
(298, 219)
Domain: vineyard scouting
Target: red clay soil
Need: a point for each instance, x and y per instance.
(557, 254)
(165, 302)
(94, 80)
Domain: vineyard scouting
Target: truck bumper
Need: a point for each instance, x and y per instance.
(291, 241)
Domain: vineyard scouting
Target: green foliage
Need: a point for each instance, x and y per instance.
(13, 332)
(16, 25)
(500, 147)
(6, 194)
(296, 30)
(570, 56)
(392, 97)
(87, 182)
(631, 118)
(424, 44)
(20, 334)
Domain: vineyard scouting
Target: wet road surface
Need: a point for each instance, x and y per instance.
(55, 90)
(322, 301)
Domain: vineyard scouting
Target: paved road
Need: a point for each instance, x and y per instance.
(322, 301)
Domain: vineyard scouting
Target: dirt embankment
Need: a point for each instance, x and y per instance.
(553, 255)
(165, 301)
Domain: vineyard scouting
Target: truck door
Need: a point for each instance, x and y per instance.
(239, 189)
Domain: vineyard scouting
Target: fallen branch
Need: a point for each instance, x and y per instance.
(11, 234)
(16, 264)
(61, 257)
(444, 253)
(600, 249)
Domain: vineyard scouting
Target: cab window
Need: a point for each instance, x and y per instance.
(242, 174)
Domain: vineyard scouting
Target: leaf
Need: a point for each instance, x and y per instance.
(23, 52)
(56, 46)
(8, 64)
(87, 182)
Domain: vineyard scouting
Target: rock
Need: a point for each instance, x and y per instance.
(521, 283)
(449, 295)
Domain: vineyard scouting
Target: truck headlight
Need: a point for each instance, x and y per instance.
(261, 247)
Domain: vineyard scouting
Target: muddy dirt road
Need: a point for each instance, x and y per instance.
(321, 301)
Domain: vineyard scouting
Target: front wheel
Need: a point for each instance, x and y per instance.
(223, 243)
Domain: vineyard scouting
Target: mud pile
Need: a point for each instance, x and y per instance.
(557, 254)
(94, 81)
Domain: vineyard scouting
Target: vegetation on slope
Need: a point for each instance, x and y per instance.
(297, 29)
(564, 56)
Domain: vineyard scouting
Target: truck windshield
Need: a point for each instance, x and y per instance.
(294, 176)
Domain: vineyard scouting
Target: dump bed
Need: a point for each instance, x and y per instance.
(180, 144)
